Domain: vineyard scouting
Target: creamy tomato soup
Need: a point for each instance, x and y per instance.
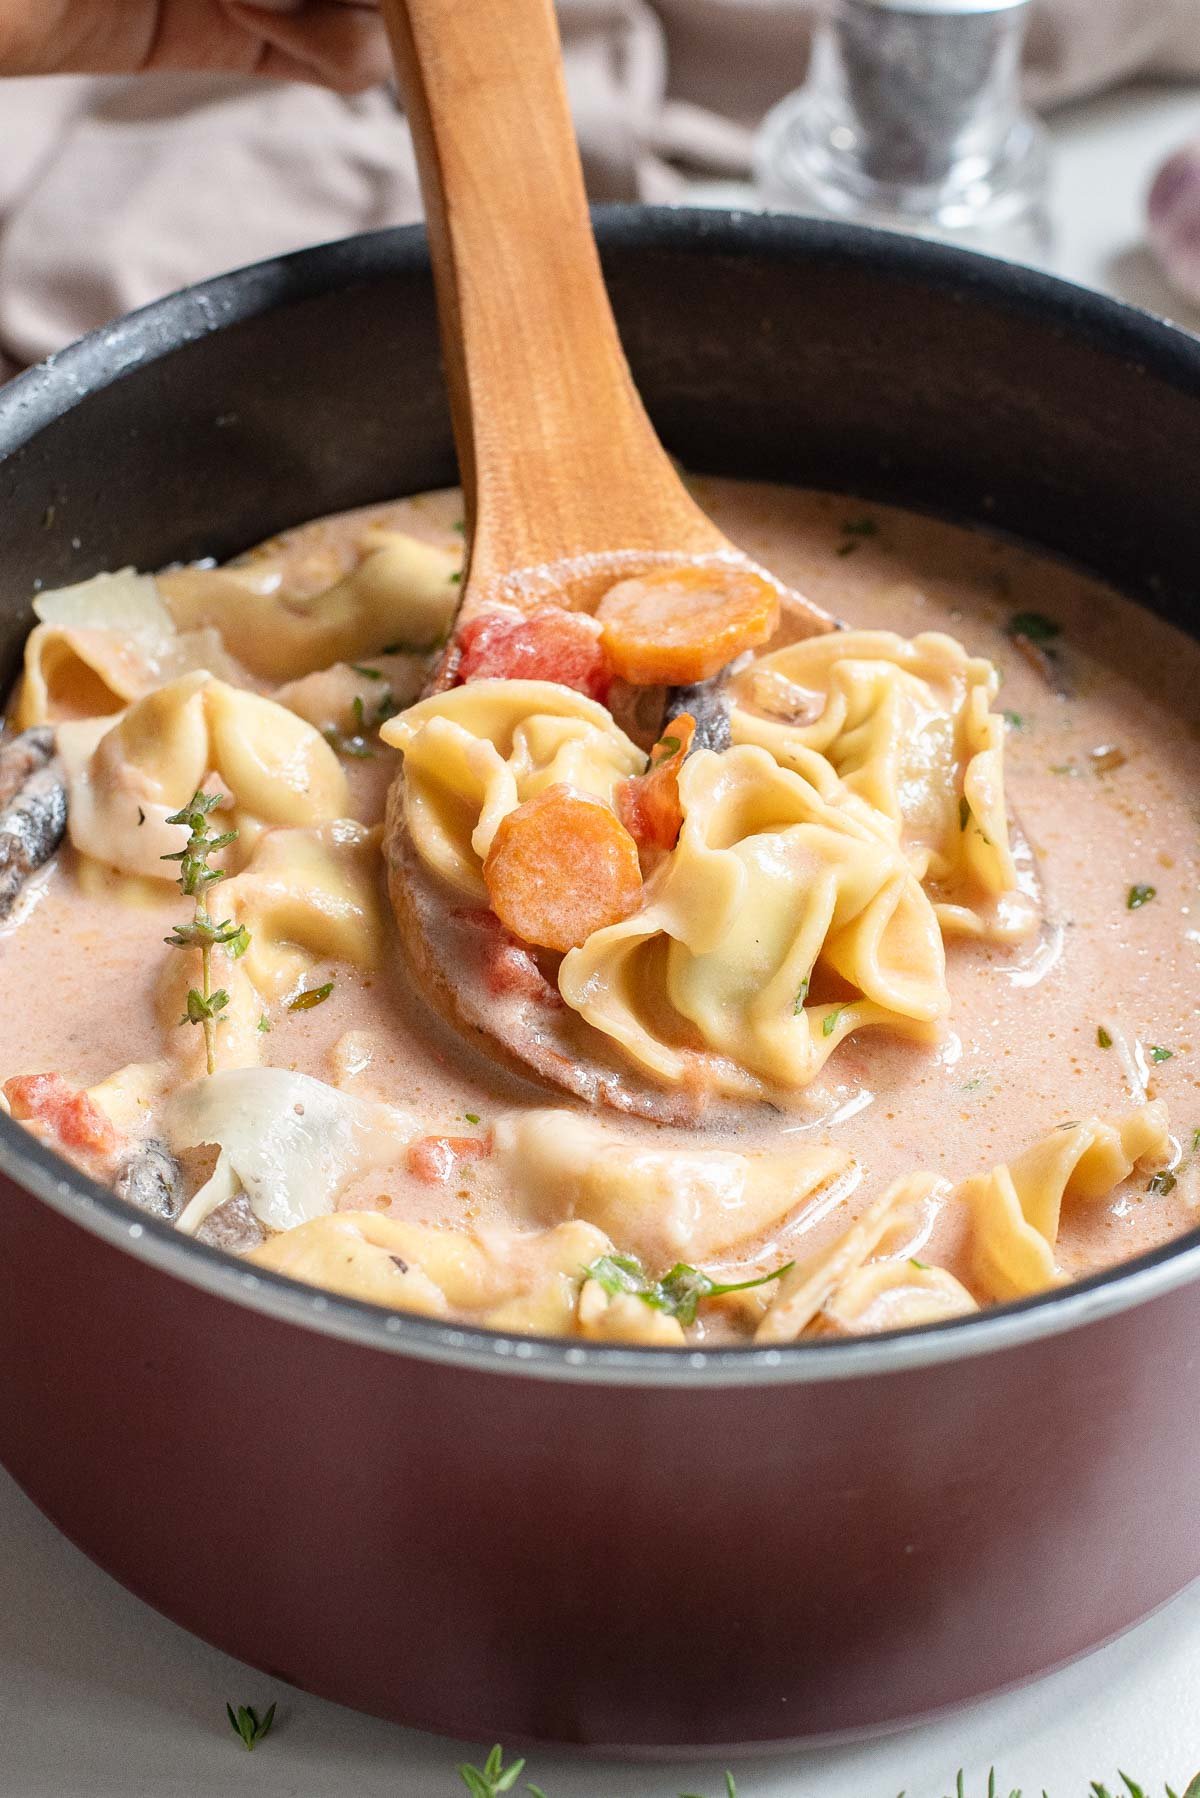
(849, 988)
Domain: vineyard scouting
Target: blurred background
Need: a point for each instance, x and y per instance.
(1031, 128)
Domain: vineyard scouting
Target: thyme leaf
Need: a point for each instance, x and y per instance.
(1139, 896)
(493, 1777)
(1103, 1038)
(313, 995)
(246, 1723)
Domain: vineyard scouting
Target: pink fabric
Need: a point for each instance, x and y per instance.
(116, 190)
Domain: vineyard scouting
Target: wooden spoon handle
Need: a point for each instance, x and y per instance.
(557, 456)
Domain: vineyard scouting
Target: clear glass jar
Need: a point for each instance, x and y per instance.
(911, 118)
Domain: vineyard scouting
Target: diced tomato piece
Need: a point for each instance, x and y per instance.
(435, 1159)
(66, 1110)
(549, 644)
(648, 804)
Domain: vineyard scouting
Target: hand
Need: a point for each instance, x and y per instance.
(337, 43)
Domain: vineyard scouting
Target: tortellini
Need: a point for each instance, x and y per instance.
(859, 814)
(506, 1279)
(476, 752)
(103, 643)
(403, 592)
(905, 723)
(661, 1203)
(773, 898)
(308, 896)
(1016, 1208)
(126, 779)
(840, 1281)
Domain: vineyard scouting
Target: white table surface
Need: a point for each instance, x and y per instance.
(100, 1696)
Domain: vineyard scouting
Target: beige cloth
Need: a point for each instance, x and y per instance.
(114, 191)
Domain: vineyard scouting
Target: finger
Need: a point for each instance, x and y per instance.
(338, 43)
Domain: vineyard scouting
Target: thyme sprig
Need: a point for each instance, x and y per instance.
(494, 1778)
(246, 1723)
(678, 1292)
(202, 931)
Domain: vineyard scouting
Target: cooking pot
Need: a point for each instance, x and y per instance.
(628, 1549)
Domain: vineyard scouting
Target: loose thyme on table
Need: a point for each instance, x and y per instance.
(195, 877)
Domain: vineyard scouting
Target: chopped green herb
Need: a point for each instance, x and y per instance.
(831, 1018)
(861, 527)
(1063, 768)
(1163, 1182)
(411, 649)
(1035, 627)
(246, 1723)
(664, 749)
(203, 1006)
(964, 812)
(678, 1292)
(342, 744)
(923, 1265)
(387, 707)
(976, 1081)
(460, 525)
(1015, 719)
(1158, 1053)
(801, 996)
(1103, 1038)
(472, 1117)
(264, 1024)
(313, 995)
(456, 577)
(1195, 1142)
(367, 673)
(1139, 896)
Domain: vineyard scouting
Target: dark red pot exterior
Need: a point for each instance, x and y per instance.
(593, 1558)
(504, 1555)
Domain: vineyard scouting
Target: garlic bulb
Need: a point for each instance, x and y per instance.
(1173, 220)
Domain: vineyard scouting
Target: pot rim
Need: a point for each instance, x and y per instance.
(46, 392)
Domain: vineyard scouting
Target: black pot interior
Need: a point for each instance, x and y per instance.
(771, 347)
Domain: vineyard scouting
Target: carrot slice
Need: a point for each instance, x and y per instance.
(561, 866)
(648, 804)
(680, 625)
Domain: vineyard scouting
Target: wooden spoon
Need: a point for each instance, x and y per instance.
(567, 488)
